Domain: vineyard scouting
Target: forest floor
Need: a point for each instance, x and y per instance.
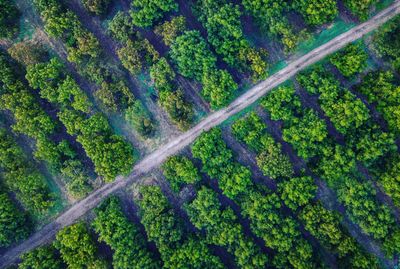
(178, 143)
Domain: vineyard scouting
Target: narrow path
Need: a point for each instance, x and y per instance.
(154, 159)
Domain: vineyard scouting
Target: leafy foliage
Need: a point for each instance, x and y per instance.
(9, 18)
(171, 29)
(223, 229)
(297, 191)
(360, 8)
(122, 236)
(350, 60)
(146, 12)
(14, 224)
(98, 7)
(77, 247)
(317, 12)
(179, 170)
(45, 257)
(27, 52)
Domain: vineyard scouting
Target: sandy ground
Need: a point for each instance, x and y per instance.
(176, 144)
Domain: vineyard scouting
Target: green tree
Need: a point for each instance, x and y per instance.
(98, 7)
(192, 55)
(297, 191)
(14, 224)
(317, 12)
(218, 87)
(360, 8)
(351, 60)
(146, 12)
(9, 17)
(45, 257)
(171, 29)
(180, 170)
(28, 52)
(122, 236)
(121, 27)
(307, 135)
(77, 247)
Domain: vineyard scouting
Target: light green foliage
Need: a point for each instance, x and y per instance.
(278, 232)
(317, 12)
(223, 229)
(359, 198)
(269, 14)
(218, 87)
(325, 225)
(98, 7)
(225, 34)
(282, 103)
(159, 220)
(14, 225)
(135, 55)
(180, 170)
(390, 179)
(380, 88)
(351, 60)
(387, 42)
(335, 162)
(45, 257)
(234, 178)
(121, 27)
(124, 238)
(307, 135)
(77, 247)
(146, 12)
(171, 29)
(163, 75)
(115, 96)
(360, 8)
(167, 231)
(9, 17)
(192, 55)
(270, 159)
(21, 177)
(344, 109)
(297, 191)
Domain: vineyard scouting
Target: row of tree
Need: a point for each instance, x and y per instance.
(334, 163)
(298, 194)
(110, 153)
(84, 50)
(137, 54)
(264, 209)
(225, 34)
(178, 247)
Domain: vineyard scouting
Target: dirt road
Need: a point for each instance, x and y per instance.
(176, 144)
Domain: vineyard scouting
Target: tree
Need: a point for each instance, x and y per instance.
(192, 55)
(28, 52)
(180, 170)
(121, 27)
(387, 41)
(250, 129)
(146, 12)
(179, 110)
(171, 29)
(98, 7)
(158, 218)
(282, 103)
(45, 257)
(122, 236)
(14, 224)
(317, 12)
(218, 87)
(272, 162)
(307, 135)
(9, 18)
(360, 8)
(77, 247)
(139, 118)
(390, 179)
(297, 191)
(350, 60)
(269, 14)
